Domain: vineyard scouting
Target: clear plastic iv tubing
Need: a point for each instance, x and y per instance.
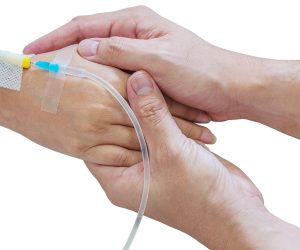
(67, 70)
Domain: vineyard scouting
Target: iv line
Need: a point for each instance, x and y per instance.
(81, 73)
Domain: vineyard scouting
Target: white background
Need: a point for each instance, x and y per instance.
(50, 201)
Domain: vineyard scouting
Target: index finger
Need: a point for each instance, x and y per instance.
(118, 23)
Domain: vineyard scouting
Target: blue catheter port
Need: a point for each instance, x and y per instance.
(51, 67)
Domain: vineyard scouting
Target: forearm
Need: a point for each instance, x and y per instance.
(262, 230)
(2, 108)
(242, 223)
(251, 229)
(269, 93)
(6, 115)
(20, 108)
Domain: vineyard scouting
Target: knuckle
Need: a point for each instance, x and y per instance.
(143, 8)
(91, 123)
(189, 130)
(194, 131)
(78, 19)
(200, 131)
(106, 117)
(139, 12)
(74, 146)
(153, 109)
(95, 128)
(79, 23)
(133, 141)
(115, 47)
(121, 159)
(163, 54)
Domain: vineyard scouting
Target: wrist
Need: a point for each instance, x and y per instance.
(271, 97)
(259, 229)
(5, 111)
(231, 227)
(253, 88)
(13, 106)
(254, 228)
(233, 80)
(240, 78)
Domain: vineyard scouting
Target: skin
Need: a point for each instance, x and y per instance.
(192, 189)
(89, 124)
(231, 85)
(217, 203)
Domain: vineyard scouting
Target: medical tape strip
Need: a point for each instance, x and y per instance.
(55, 84)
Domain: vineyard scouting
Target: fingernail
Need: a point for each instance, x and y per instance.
(208, 137)
(142, 84)
(88, 47)
(28, 49)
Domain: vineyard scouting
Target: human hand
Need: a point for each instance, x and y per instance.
(89, 124)
(191, 189)
(185, 67)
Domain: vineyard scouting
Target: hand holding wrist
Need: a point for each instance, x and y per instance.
(224, 84)
(191, 189)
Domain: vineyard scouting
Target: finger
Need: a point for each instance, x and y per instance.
(122, 119)
(151, 110)
(122, 185)
(112, 155)
(118, 23)
(188, 128)
(177, 110)
(105, 174)
(121, 136)
(79, 28)
(195, 131)
(187, 113)
(125, 53)
(202, 144)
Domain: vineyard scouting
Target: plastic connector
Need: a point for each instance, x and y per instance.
(51, 67)
(26, 63)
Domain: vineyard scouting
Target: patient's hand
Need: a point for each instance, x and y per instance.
(89, 123)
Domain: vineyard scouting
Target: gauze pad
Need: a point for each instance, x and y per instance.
(11, 69)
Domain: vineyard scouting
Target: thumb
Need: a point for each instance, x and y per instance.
(120, 52)
(151, 110)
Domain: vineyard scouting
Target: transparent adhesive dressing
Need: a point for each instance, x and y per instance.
(77, 72)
